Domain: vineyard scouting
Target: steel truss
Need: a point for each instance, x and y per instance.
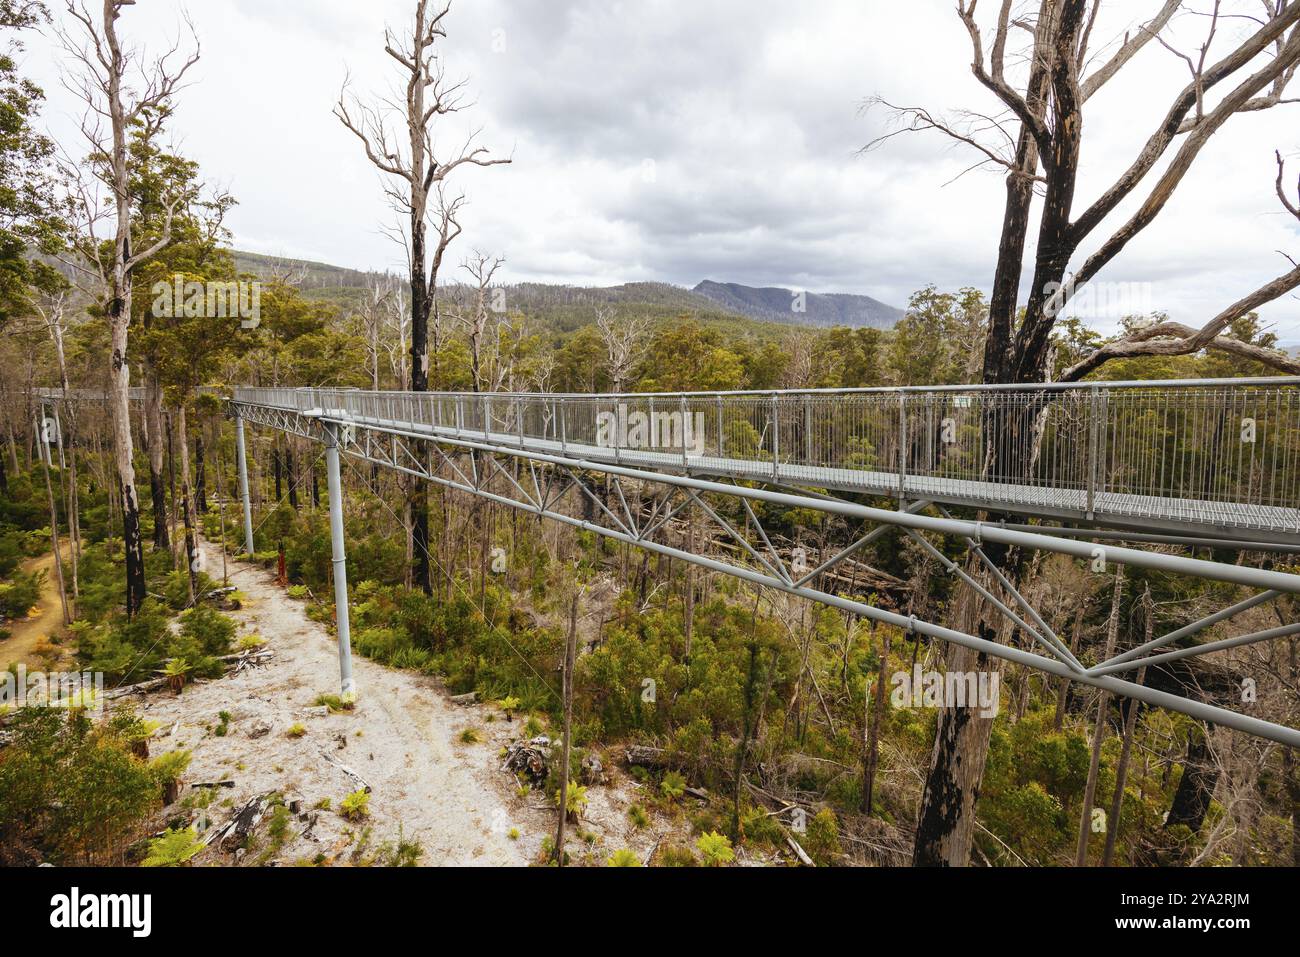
(537, 483)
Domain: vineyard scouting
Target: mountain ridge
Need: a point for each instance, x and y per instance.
(763, 303)
(798, 307)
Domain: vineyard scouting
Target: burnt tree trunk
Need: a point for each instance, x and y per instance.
(871, 755)
(200, 476)
(1099, 728)
(570, 661)
(1195, 788)
(1126, 749)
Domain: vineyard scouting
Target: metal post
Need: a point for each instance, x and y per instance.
(721, 443)
(564, 435)
(686, 422)
(903, 443)
(1091, 465)
(242, 458)
(339, 558)
(776, 439)
(807, 432)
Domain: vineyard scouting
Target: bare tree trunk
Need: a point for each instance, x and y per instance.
(1063, 686)
(158, 494)
(1196, 786)
(187, 505)
(200, 473)
(429, 97)
(1099, 729)
(871, 755)
(54, 536)
(946, 825)
(742, 748)
(688, 626)
(1049, 112)
(570, 660)
(1126, 749)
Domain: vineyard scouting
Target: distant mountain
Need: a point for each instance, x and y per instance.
(819, 309)
(572, 306)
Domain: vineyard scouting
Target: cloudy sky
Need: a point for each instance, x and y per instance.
(679, 140)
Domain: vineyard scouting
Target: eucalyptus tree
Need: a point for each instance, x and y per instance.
(402, 141)
(1043, 65)
(119, 87)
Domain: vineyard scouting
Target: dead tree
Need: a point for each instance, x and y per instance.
(625, 343)
(374, 308)
(410, 157)
(474, 316)
(1099, 727)
(570, 662)
(1126, 748)
(98, 75)
(1040, 120)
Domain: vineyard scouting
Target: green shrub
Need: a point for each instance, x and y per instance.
(356, 806)
(167, 770)
(576, 800)
(174, 848)
(18, 597)
(673, 786)
(336, 703)
(715, 848)
(676, 855)
(72, 790)
(822, 839)
(624, 858)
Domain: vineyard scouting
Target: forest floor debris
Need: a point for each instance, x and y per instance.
(401, 744)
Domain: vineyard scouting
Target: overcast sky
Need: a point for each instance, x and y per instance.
(680, 140)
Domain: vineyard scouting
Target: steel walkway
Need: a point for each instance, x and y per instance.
(1218, 457)
(1167, 463)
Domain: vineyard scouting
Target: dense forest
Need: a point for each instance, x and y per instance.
(774, 723)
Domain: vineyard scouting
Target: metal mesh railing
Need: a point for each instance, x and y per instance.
(1222, 452)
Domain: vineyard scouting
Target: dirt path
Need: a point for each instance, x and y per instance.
(402, 738)
(26, 635)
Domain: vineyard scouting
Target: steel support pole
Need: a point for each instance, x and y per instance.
(242, 458)
(340, 561)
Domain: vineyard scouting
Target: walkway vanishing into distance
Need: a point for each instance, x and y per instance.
(1218, 457)
(1200, 463)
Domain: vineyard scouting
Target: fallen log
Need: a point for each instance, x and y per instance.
(242, 659)
(234, 834)
(645, 756)
(799, 852)
(361, 782)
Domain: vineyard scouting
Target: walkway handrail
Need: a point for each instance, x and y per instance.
(1217, 452)
(1234, 383)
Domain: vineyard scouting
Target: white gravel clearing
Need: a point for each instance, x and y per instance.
(402, 738)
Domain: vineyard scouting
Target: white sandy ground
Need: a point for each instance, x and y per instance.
(402, 738)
